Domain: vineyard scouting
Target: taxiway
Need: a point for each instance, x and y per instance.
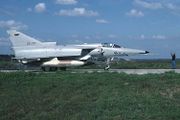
(127, 71)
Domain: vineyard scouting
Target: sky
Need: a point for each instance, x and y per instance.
(152, 25)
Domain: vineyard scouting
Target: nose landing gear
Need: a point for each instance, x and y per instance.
(107, 67)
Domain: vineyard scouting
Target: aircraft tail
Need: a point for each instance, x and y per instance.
(19, 39)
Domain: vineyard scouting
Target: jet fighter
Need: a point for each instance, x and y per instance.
(50, 56)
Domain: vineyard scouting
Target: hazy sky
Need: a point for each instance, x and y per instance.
(152, 25)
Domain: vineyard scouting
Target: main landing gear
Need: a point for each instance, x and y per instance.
(47, 69)
(108, 64)
(107, 67)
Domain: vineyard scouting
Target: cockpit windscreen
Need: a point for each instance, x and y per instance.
(111, 45)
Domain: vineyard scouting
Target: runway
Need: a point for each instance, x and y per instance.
(127, 71)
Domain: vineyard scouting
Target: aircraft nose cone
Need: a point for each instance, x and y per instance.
(146, 52)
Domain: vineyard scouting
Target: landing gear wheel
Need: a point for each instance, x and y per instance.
(46, 69)
(63, 68)
(107, 67)
(43, 68)
(53, 68)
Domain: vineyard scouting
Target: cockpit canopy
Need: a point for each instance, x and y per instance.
(110, 45)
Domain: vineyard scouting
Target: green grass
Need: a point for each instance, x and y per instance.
(7, 65)
(101, 96)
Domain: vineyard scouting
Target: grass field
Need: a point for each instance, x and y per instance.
(95, 96)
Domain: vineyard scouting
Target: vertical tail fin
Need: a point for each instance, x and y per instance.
(19, 39)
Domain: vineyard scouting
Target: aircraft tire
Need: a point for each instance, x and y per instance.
(46, 69)
(53, 68)
(107, 67)
(63, 68)
(43, 68)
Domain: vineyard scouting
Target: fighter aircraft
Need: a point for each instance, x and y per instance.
(50, 56)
